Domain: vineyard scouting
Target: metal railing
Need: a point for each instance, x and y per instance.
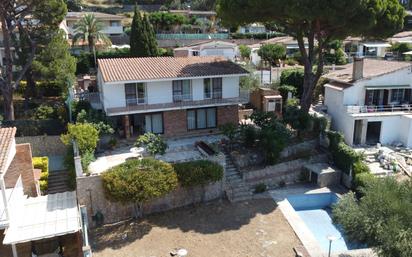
(178, 102)
(355, 109)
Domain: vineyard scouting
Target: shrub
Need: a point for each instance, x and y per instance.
(229, 130)
(293, 77)
(272, 53)
(285, 89)
(42, 163)
(260, 188)
(343, 155)
(245, 51)
(139, 181)
(198, 173)
(263, 119)
(248, 135)
(154, 144)
(87, 158)
(296, 118)
(84, 63)
(44, 112)
(68, 162)
(85, 135)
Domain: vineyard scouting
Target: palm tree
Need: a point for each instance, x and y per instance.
(89, 29)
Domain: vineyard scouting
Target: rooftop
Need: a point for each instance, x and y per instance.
(208, 44)
(158, 68)
(98, 15)
(6, 142)
(371, 68)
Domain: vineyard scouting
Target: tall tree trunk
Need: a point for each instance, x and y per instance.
(30, 90)
(8, 107)
(90, 42)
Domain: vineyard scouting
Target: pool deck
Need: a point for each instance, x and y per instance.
(298, 225)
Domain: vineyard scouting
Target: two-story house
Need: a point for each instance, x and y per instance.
(112, 24)
(370, 102)
(174, 96)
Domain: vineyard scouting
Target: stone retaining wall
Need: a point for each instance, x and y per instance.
(44, 145)
(286, 172)
(90, 193)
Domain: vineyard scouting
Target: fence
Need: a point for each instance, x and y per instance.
(192, 36)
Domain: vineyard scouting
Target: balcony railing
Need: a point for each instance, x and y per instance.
(179, 102)
(356, 109)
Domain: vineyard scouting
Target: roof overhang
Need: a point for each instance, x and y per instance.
(378, 45)
(388, 87)
(50, 216)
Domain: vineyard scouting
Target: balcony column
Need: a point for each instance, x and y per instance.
(126, 126)
(364, 131)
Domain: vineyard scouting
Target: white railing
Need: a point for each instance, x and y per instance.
(92, 97)
(354, 109)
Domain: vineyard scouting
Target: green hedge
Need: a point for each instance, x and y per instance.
(196, 173)
(42, 163)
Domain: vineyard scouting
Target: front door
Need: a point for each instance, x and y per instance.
(373, 134)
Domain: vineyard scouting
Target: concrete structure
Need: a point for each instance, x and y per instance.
(170, 95)
(252, 28)
(370, 102)
(208, 48)
(356, 46)
(267, 100)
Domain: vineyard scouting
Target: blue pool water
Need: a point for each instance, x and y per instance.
(315, 211)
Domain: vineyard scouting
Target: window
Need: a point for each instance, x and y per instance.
(212, 88)
(397, 96)
(181, 90)
(135, 93)
(114, 23)
(154, 123)
(195, 53)
(207, 88)
(201, 118)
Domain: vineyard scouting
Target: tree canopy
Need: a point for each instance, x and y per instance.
(89, 29)
(320, 21)
(142, 36)
(381, 218)
(272, 53)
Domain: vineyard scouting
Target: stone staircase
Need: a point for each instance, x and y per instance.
(236, 189)
(58, 182)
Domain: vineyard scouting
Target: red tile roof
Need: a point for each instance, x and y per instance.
(155, 68)
(6, 141)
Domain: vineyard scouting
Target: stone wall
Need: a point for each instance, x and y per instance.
(90, 193)
(286, 172)
(44, 145)
(299, 150)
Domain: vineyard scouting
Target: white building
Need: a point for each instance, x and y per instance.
(174, 96)
(112, 24)
(370, 101)
(253, 28)
(209, 48)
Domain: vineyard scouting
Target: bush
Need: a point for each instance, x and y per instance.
(296, 118)
(343, 155)
(245, 51)
(198, 173)
(42, 163)
(84, 63)
(154, 144)
(293, 77)
(139, 181)
(229, 130)
(260, 188)
(44, 112)
(85, 134)
(87, 158)
(248, 135)
(285, 89)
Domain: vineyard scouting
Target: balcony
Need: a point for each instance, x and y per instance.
(372, 109)
(141, 105)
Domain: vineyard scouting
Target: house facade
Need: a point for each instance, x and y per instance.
(173, 96)
(370, 102)
(209, 48)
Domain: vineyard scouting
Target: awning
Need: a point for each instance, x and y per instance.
(377, 45)
(408, 53)
(388, 87)
(44, 217)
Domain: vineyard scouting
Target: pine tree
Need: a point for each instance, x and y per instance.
(142, 36)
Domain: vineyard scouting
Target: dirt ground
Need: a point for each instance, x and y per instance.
(253, 228)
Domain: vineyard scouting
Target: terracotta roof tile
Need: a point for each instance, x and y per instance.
(152, 68)
(6, 141)
(371, 68)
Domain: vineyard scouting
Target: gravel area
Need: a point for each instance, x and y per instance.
(252, 228)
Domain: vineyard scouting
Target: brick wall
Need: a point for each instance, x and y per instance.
(227, 114)
(22, 165)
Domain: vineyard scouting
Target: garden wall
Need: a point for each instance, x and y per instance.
(288, 172)
(90, 193)
(44, 145)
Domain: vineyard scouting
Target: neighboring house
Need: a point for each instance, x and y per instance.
(208, 48)
(174, 96)
(30, 222)
(253, 28)
(289, 42)
(370, 102)
(355, 46)
(112, 23)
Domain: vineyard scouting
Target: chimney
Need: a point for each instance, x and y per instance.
(357, 68)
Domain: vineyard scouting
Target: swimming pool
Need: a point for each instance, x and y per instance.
(315, 211)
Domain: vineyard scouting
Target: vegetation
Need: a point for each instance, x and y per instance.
(153, 143)
(90, 30)
(21, 35)
(323, 23)
(142, 37)
(293, 78)
(245, 52)
(85, 135)
(380, 219)
(97, 119)
(44, 112)
(166, 21)
(272, 53)
(335, 54)
(42, 163)
(260, 188)
(400, 48)
(198, 173)
(139, 181)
